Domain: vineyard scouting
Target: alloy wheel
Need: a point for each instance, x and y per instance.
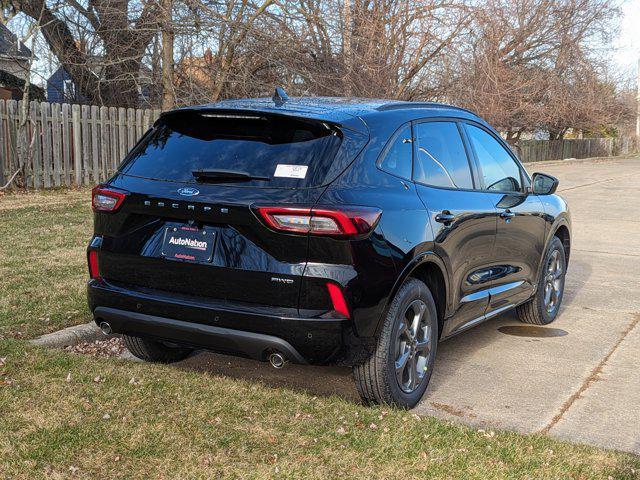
(413, 346)
(553, 282)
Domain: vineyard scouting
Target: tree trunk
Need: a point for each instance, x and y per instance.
(346, 47)
(168, 97)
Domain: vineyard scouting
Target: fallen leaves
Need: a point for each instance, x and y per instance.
(303, 416)
(111, 347)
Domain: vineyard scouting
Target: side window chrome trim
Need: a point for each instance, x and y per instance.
(442, 167)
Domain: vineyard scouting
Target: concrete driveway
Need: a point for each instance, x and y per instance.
(577, 379)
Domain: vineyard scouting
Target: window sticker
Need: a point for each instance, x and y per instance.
(291, 171)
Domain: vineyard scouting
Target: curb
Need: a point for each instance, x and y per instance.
(87, 332)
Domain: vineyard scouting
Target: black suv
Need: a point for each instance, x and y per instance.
(323, 230)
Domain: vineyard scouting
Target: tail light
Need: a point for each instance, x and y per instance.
(332, 221)
(338, 300)
(106, 199)
(94, 270)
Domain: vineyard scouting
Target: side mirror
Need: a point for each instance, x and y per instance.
(543, 184)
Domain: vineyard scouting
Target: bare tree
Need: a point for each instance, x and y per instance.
(525, 65)
(122, 29)
(531, 65)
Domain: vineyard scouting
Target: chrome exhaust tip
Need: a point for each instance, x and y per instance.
(106, 328)
(277, 360)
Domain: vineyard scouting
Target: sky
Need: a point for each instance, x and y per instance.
(628, 42)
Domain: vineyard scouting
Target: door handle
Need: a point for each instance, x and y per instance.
(445, 217)
(507, 214)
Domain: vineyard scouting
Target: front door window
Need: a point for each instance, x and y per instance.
(498, 170)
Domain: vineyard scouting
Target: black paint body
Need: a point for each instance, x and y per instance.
(486, 263)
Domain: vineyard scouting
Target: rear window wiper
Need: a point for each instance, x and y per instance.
(225, 176)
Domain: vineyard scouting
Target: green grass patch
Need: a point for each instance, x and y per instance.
(43, 238)
(69, 416)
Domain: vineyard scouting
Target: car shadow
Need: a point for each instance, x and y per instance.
(322, 381)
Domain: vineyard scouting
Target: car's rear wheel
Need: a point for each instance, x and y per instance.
(543, 307)
(399, 370)
(155, 351)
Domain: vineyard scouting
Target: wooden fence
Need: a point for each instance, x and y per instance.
(63, 145)
(539, 150)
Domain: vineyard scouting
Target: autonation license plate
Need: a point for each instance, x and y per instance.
(188, 244)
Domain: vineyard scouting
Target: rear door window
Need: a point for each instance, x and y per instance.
(276, 150)
(441, 159)
(398, 157)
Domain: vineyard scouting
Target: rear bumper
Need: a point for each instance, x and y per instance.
(252, 345)
(225, 327)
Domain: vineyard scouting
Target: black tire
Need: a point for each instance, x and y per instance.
(376, 378)
(538, 311)
(155, 351)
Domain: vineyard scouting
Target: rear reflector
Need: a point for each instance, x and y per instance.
(331, 221)
(94, 271)
(338, 300)
(106, 199)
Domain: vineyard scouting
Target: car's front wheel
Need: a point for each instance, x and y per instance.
(398, 371)
(155, 351)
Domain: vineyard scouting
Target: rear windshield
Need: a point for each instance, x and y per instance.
(274, 150)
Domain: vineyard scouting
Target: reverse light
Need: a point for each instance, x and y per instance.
(105, 199)
(94, 270)
(331, 221)
(338, 300)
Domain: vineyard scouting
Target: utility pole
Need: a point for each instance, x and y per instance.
(638, 102)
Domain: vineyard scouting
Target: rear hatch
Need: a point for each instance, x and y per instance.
(188, 225)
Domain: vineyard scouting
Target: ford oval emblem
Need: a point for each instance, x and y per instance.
(188, 191)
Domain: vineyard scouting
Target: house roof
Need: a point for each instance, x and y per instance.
(10, 46)
(10, 81)
(96, 65)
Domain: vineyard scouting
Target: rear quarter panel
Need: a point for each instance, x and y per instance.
(402, 234)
